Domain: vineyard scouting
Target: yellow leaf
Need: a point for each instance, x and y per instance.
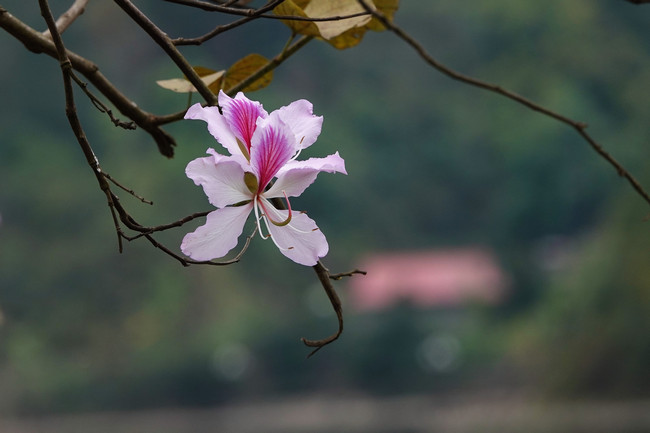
(334, 8)
(244, 68)
(388, 8)
(183, 85)
(348, 39)
(292, 8)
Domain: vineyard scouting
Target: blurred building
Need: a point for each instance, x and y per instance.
(428, 279)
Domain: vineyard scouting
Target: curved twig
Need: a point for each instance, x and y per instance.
(37, 43)
(324, 277)
(255, 13)
(166, 44)
(271, 65)
(351, 273)
(580, 127)
(223, 28)
(68, 17)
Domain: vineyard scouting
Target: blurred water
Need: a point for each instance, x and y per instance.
(358, 414)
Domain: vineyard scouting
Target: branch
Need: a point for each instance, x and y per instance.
(166, 44)
(71, 111)
(254, 13)
(324, 277)
(271, 65)
(221, 29)
(638, 2)
(347, 274)
(68, 17)
(37, 43)
(580, 127)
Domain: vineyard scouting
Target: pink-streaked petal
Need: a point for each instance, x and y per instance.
(273, 145)
(300, 240)
(241, 114)
(305, 126)
(217, 126)
(221, 177)
(330, 164)
(218, 235)
(292, 183)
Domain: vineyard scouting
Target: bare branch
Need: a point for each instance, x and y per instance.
(580, 127)
(347, 274)
(221, 29)
(129, 190)
(100, 105)
(324, 278)
(166, 44)
(37, 43)
(255, 13)
(71, 112)
(271, 65)
(68, 17)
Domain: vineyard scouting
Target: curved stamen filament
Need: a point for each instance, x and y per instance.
(266, 222)
(268, 216)
(257, 220)
(297, 153)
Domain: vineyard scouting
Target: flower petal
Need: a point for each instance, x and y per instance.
(218, 235)
(295, 176)
(331, 164)
(217, 126)
(221, 177)
(272, 146)
(300, 240)
(241, 114)
(300, 118)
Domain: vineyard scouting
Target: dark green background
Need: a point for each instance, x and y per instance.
(433, 164)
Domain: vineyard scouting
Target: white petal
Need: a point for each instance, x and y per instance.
(305, 126)
(221, 177)
(217, 126)
(300, 240)
(295, 176)
(219, 234)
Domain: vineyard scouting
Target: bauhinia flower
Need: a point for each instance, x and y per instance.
(263, 147)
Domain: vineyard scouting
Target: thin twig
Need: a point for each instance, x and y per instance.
(37, 43)
(71, 113)
(271, 65)
(68, 17)
(223, 28)
(166, 44)
(100, 105)
(580, 127)
(211, 7)
(351, 273)
(324, 278)
(129, 190)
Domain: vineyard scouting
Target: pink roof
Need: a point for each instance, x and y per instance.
(428, 278)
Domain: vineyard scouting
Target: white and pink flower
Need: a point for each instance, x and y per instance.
(262, 147)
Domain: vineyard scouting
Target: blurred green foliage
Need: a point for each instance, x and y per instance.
(432, 164)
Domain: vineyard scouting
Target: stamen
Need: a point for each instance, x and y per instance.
(257, 220)
(297, 153)
(266, 221)
(278, 223)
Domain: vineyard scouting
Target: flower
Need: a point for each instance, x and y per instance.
(263, 147)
